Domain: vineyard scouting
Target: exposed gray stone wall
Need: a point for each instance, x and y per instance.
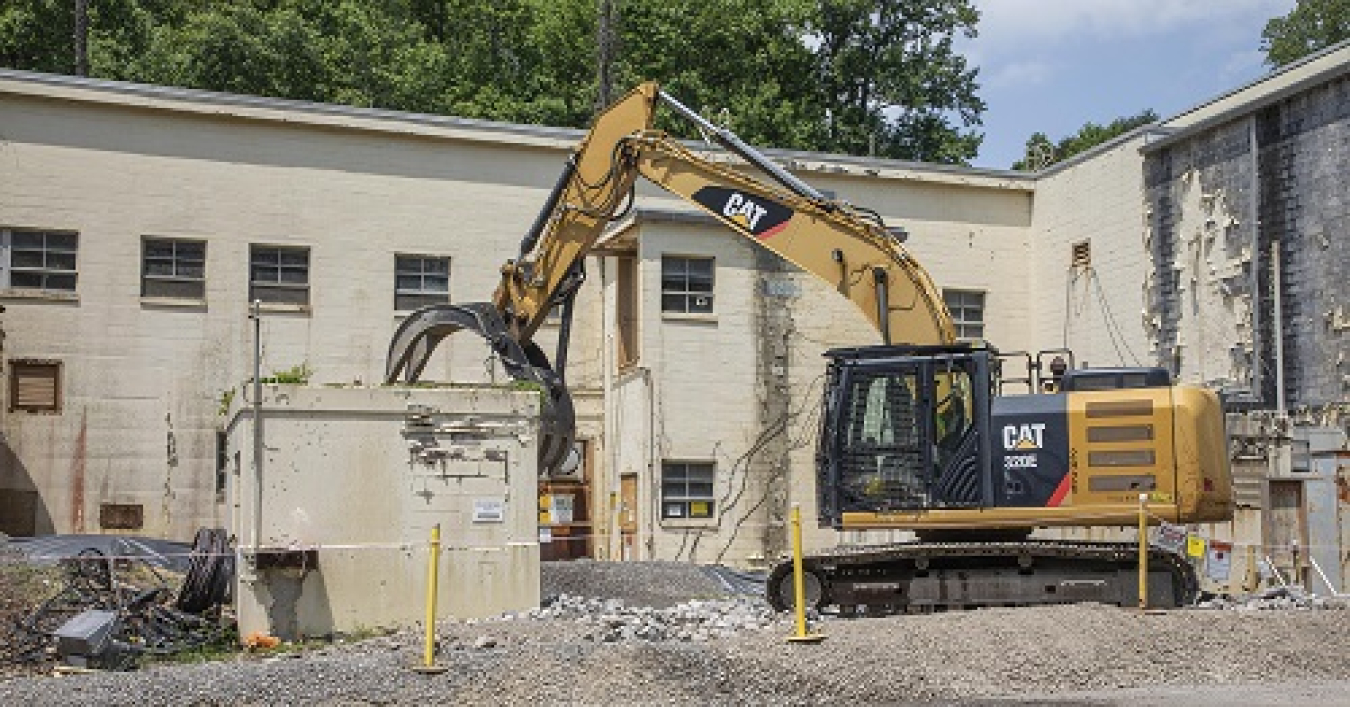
(1228, 210)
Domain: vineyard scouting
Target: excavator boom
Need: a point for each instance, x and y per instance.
(839, 243)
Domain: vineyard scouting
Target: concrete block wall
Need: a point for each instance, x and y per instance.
(1304, 146)
(1097, 311)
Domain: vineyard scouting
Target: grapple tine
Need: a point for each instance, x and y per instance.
(419, 334)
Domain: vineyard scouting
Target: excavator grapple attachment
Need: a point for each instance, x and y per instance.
(419, 334)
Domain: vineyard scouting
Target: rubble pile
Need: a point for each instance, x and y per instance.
(1278, 599)
(610, 620)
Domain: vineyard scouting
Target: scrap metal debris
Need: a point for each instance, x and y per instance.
(113, 609)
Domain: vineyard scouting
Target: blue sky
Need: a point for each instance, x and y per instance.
(1053, 65)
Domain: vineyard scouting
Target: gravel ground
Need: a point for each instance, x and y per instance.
(724, 649)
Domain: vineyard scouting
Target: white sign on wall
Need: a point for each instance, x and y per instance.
(489, 510)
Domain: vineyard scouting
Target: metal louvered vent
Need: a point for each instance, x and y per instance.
(1080, 255)
(35, 386)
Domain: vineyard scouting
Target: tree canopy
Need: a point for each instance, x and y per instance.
(1041, 152)
(861, 77)
(1312, 25)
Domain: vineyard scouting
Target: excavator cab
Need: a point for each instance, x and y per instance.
(906, 428)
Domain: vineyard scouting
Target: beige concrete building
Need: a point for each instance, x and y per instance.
(139, 221)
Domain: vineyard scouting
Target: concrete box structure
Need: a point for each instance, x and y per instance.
(332, 528)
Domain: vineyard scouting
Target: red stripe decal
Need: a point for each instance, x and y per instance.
(769, 233)
(1060, 491)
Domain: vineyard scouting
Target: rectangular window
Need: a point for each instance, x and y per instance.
(686, 285)
(687, 490)
(173, 268)
(34, 386)
(420, 280)
(40, 260)
(967, 309)
(278, 275)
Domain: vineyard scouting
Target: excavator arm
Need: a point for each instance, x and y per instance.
(846, 246)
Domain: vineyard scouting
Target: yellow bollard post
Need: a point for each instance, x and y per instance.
(799, 582)
(1143, 552)
(428, 666)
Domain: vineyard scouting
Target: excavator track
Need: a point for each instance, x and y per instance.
(926, 576)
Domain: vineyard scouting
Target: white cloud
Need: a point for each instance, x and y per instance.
(1010, 23)
(1017, 74)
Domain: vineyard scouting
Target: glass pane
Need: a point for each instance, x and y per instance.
(673, 283)
(436, 283)
(701, 267)
(158, 249)
(672, 510)
(28, 239)
(264, 273)
(408, 283)
(701, 473)
(673, 489)
(294, 275)
(159, 267)
(672, 303)
(407, 303)
(26, 259)
(700, 283)
(295, 256)
(191, 250)
(407, 264)
(702, 304)
(282, 295)
(264, 256)
(178, 289)
(701, 490)
(674, 267)
(61, 261)
(61, 282)
(62, 241)
(192, 269)
(438, 266)
(25, 279)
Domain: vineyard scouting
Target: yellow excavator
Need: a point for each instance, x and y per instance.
(915, 433)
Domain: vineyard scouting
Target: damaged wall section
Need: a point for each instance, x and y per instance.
(1247, 225)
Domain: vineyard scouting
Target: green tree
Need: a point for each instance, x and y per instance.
(741, 63)
(1041, 152)
(892, 83)
(1310, 26)
(342, 51)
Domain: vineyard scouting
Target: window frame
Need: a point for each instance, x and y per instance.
(175, 263)
(256, 287)
(687, 293)
(45, 272)
(684, 501)
(959, 309)
(420, 294)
